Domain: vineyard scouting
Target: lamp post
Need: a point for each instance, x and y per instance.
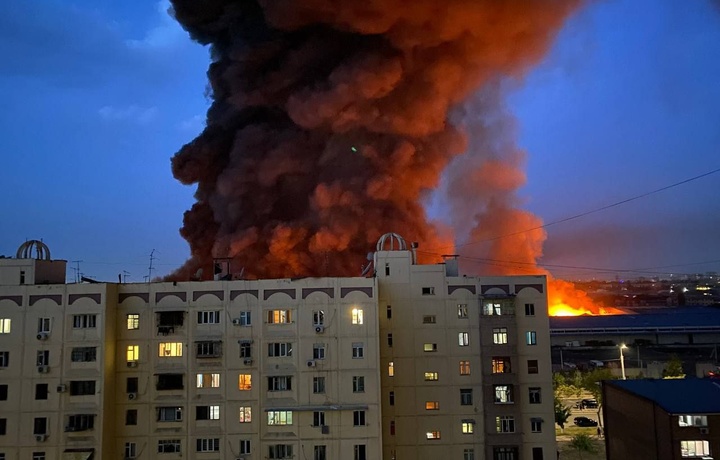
(622, 360)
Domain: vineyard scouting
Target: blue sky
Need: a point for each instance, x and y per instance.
(98, 95)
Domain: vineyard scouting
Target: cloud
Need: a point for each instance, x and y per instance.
(134, 113)
(194, 124)
(167, 33)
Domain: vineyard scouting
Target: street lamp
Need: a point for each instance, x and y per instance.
(622, 360)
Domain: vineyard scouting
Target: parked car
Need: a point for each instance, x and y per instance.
(594, 364)
(584, 421)
(589, 403)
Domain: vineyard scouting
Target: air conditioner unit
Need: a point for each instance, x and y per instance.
(237, 321)
(43, 369)
(325, 429)
(69, 429)
(43, 336)
(132, 364)
(40, 437)
(319, 329)
(62, 388)
(704, 430)
(248, 361)
(132, 396)
(311, 363)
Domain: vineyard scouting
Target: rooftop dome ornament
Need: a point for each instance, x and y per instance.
(393, 239)
(42, 252)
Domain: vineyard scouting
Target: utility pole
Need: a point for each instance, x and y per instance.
(150, 269)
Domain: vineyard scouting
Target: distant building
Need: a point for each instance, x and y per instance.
(415, 362)
(669, 419)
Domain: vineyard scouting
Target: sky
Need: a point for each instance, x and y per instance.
(98, 95)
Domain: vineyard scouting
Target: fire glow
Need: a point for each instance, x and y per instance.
(564, 299)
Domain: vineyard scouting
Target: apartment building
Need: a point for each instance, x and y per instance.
(415, 362)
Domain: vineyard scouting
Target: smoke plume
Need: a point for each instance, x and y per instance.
(332, 123)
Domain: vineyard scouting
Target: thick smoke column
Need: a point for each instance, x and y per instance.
(331, 122)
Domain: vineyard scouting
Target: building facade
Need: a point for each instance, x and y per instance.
(415, 362)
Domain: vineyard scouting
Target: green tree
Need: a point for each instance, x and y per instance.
(562, 414)
(674, 368)
(592, 383)
(582, 443)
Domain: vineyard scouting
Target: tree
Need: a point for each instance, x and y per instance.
(592, 383)
(582, 443)
(673, 368)
(562, 414)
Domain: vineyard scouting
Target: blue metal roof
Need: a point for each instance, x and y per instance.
(681, 317)
(676, 396)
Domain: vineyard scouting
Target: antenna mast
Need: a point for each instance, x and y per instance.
(150, 269)
(76, 269)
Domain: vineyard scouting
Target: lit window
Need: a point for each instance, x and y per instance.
(464, 367)
(278, 316)
(432, 435)
(529, 309)
(499, 307)
(505, 424)
(694, 448)
(468, 426)
(280, 383)
(245, 414)
(391, 369)
(133, 353)
(170, 349)
(318, 351)
(280, 417)
(208, 317)
(693, 420)
(358, 350)
(536, 425)
(500, 335)
(207, 413)
(429, 319)
(432, 405)
(531, 338)
(357, 316)
(318, 318)
(534, 395)
(500, 365)
(503, 394)
(463, 339)
(79, 322)
(208, 380)
(430, 347)
(462, 310)
(245, 382)
(5, 325)
(431, 376)
(133, 321)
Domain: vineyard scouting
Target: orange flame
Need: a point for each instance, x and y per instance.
(564, 299)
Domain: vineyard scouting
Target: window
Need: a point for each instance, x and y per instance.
(694, 448)
(3, 429)
(245, 318)
(208, 317)
(534, 395)
(4, 358)
(83, 354)
(278, 317)
(208, 381)
(468, 454)
(432, 405)
(81, 422)
(245, 414)
(43, 358)
(505, 453)
(428, 291)
(391, 398)
(22, 276)
(84, 321)
(130, 450)
(245, 348)
(38, 456)
(532, 366)
(462, 310)
(318, 418)
(390, 340)
(318, 318)
(359, 418)
(466, 397)
(207, 413)
(389, 312)
(359, 452)
(131, 385)
(245, 446)
(500, 335)
(537, 453)
(505, 424)
(280, 383)
(500, 365)
(318, 351)
(432, 435)
(169, 414)
(358, 350)
(503, 394)
(392, 427)
(40, 425)
(169, 382)
(280, 417)
(5, 325)
(277, 451)
(44, 325)
(169, 446)
(430, 347)
(131, 417)
(208, 349)
(499, 307)
(41, 391)
(529, 309)
(133, 321)
(531, 338)
(468, 426)
(133, 353)
(320, 453)
(429, 319)
(170, 349)
(245, 382)
(3, 392)
(168, 320)
(357, 316)
(82, 387)
(358, 384)
(693, 420)
(318, 385)
(431, 376)
(464, 367)
(391, 369)
(279, 349)
(536, 425)
(463, 339)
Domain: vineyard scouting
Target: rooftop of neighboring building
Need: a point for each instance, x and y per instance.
(676, 396)
(659, 318)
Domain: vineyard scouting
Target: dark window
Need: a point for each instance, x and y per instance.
(318, 385)
(40, 425)
(359, 418)
(389, 312)
(131, 417)
(359, 452)
(83, 354)
(428, 291)
(390, 341)
(534, 393)
(280, 383)
(3, 426)
(392, 398)
(387, 269)
(41, 391)
(537, 453)
(43, 358)
(245, 349)
(208, 445)
(208, 349)
(320, 453)
(392, 427)
(3, 392)
(82, 387)
(532, 366)
(131, 385)
(81, 422)
(505, 453)
(318, 418)
(529, 309)
(170, 318)
(466, 397)
(170, 381)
